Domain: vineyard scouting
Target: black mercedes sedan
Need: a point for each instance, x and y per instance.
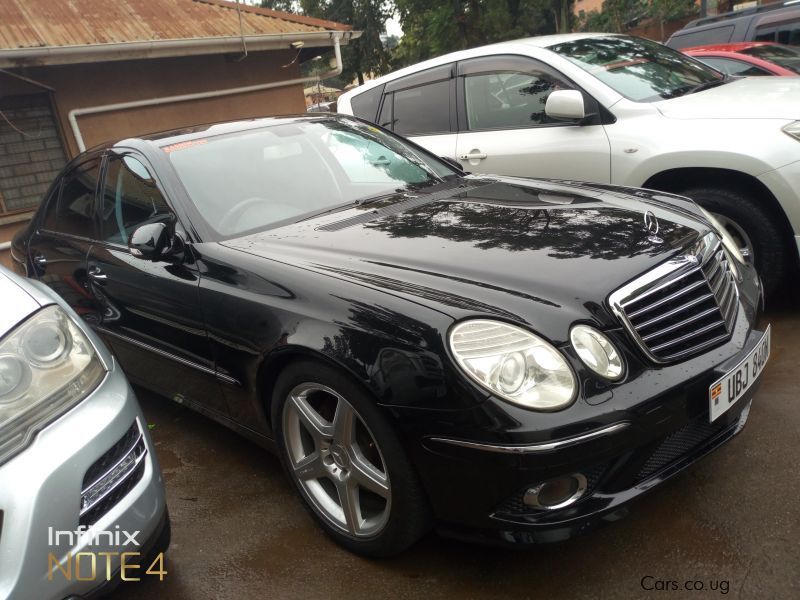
(506, 359)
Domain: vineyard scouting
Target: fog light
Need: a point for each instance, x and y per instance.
(556, 493)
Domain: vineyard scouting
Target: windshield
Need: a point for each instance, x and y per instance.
(251, 180)
(788, 58)
(639, 69)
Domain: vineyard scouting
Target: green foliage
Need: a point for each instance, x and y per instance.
(283, 5)
(618, 16)
(366, 54)
(434, 28)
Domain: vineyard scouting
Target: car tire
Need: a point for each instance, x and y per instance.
(764, 232)
(328, 460)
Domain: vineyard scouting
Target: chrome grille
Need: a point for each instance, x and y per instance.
(682, 307)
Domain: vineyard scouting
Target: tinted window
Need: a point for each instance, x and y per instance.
(75, 208)
(714, 35)
(254, 179)
(423, 109)
(130, 198)
(497, 100)
(732, 66)
(788, 33)
(365, 105)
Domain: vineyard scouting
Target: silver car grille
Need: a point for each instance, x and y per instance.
(682, 307)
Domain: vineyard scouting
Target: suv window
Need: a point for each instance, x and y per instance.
(786, 33)
(130, 198)
(365, 104)
(508, 100)
(74, 209)
(422, 109)
(712, 35)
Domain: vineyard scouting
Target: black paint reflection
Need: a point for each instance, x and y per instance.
(564, 233)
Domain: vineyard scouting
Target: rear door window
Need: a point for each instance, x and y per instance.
(423, 109)
(74, 211)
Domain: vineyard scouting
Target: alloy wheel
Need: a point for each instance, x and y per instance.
(738, 234)
(336, 460)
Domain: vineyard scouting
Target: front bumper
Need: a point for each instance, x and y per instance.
(40, 494)
(624, 441)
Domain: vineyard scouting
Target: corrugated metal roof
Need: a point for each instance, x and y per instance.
(46, 23)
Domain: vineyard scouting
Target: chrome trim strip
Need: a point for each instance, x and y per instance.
(124, 478)
(693, 261)
(116, 464)
(536, 448)
(165, 354)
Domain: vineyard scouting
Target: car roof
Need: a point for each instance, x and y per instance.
(204, 130)
(731, 47)
(542, 41)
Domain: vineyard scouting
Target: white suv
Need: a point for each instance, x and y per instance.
(612, 109)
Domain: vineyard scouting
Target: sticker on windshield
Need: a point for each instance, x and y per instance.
(184, 145)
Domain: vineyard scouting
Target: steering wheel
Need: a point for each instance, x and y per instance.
(233, 214)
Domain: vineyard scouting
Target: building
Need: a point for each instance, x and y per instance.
(75, 74)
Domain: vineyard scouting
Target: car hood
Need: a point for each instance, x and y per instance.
(745, 98)
(515, 248)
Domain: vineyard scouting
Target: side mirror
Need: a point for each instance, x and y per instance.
(566, 105)
(154, 240)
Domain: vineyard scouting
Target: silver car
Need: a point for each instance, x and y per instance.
(79, 481)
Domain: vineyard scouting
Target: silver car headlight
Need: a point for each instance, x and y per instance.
(514, 364)
(727, 240)
(597, 352)
(46, 366)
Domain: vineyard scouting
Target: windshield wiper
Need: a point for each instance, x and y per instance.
(708, 85)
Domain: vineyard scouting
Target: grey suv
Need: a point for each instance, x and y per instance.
(779, 23)
(79, 480)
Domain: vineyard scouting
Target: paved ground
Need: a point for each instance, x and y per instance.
(731, 522)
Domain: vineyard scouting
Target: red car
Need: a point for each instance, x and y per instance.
(749, 58)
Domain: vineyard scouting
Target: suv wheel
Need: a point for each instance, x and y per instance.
(346, 462)
(755, 230)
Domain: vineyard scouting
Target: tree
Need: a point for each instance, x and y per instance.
(663, 11)
(362, 56)
(616, 16)
(435, 28)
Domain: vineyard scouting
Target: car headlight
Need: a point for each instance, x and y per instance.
(514, 364)
(597, 352)
(46, 366)
(727, 240)
(792, 129)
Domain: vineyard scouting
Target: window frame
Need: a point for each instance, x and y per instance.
(516, 63)
(120, 154)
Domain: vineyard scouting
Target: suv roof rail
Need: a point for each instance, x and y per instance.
(742, 13)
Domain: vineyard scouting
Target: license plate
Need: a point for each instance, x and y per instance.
(724, 392)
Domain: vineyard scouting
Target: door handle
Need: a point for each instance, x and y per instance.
(473, 155)
(40, 261)
(96, 274)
